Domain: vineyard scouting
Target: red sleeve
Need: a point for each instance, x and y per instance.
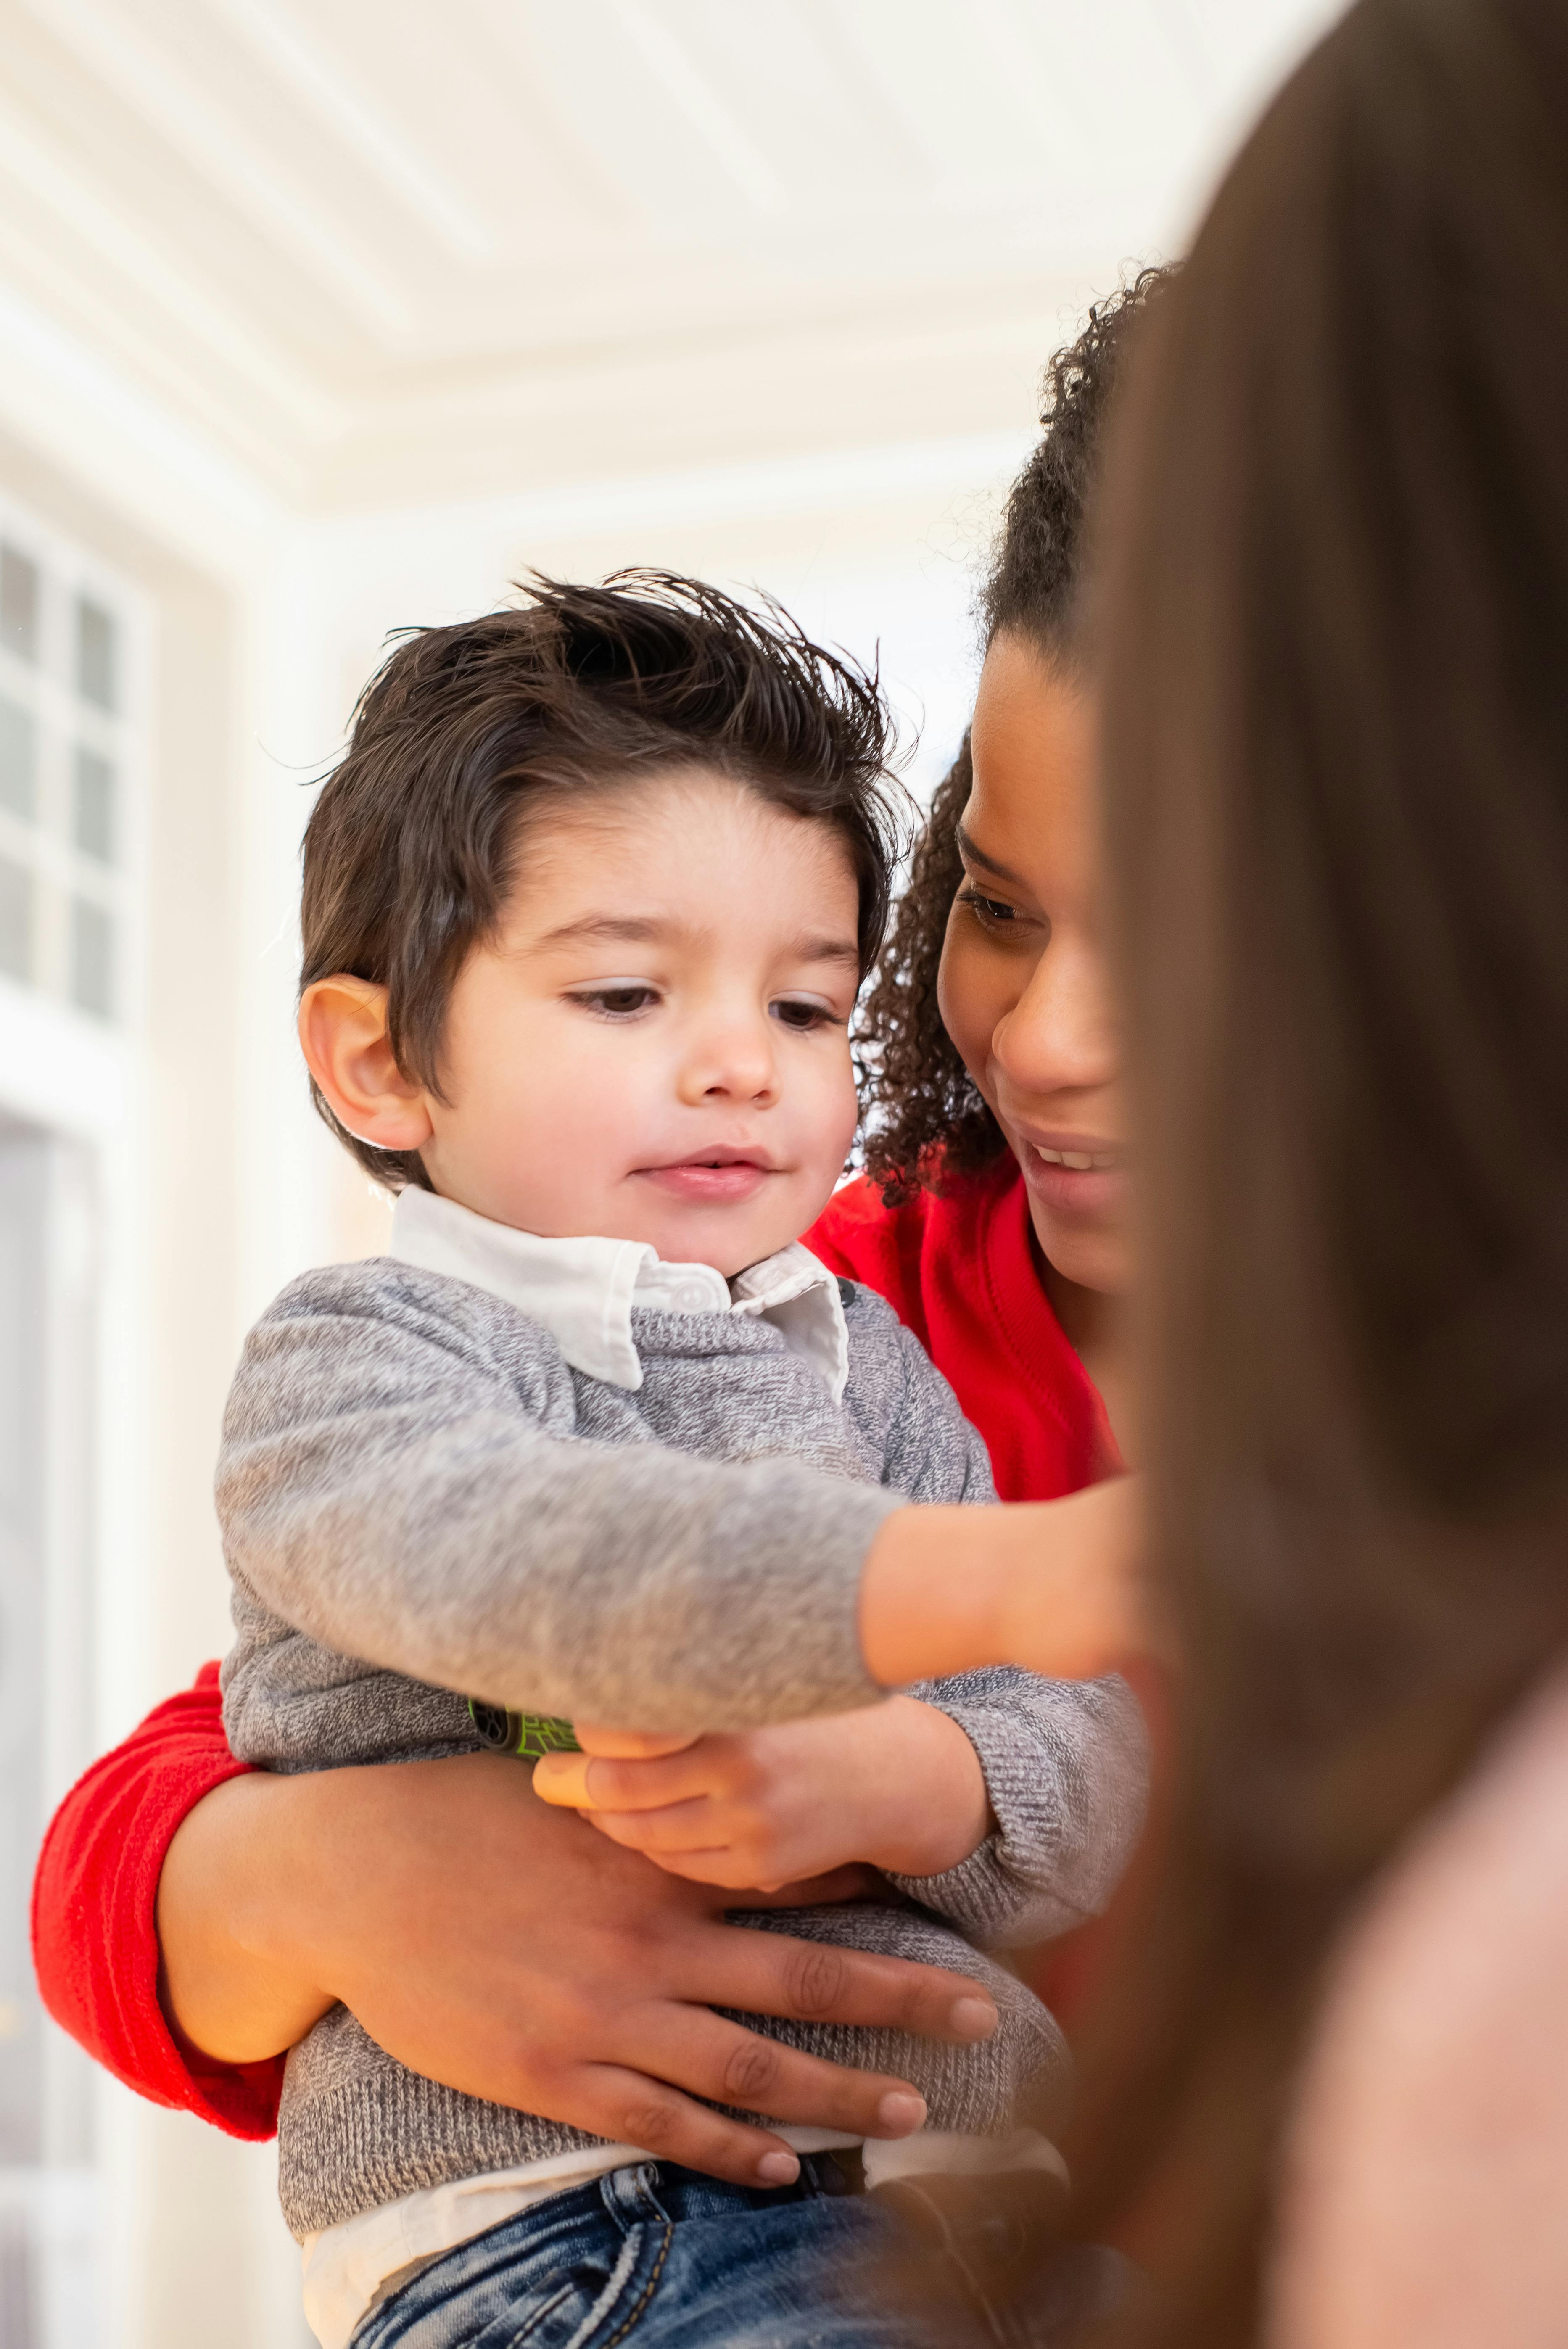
(95, 1941)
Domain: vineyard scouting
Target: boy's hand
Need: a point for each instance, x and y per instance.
(897, 1787)
(1056, 1586)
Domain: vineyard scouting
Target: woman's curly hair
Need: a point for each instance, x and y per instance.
(926, 1123)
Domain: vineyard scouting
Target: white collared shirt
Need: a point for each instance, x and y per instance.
(583, 1289)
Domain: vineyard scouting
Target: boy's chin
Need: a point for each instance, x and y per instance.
(729, 1244)
(726, 1253)
(729, 1234)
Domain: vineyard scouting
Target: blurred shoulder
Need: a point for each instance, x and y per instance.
(1424, 2186)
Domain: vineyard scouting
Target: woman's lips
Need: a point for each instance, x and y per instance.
(722, 1183)
(1075, 1176)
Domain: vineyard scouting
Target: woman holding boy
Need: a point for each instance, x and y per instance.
(277, 1896)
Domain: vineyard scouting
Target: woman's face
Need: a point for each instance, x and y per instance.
(1024, 989)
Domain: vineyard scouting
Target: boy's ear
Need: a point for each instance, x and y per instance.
(343, 1035)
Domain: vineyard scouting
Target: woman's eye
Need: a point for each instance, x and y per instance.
(802, 1017)
(992, 911)
(618, 1002)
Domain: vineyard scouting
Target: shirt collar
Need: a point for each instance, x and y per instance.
(583, 1290)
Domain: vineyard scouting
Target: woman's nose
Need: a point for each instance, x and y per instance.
(1061, 1034)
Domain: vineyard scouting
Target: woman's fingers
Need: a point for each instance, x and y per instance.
(708, 2055)
(631, 2107)
(761, 1972)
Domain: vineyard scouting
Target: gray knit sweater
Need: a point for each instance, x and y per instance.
(420, 1497)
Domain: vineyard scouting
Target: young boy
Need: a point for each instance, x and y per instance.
(586, 906)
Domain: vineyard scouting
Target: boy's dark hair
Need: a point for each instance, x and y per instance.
(928, 1123)
(465, 731)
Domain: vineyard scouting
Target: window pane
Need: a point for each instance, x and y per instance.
(17, 763)
(94, 827)
(92, 958)
(15, 920)
(18, 604)
(95, 653)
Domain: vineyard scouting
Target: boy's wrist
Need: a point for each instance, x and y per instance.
(930, 1809)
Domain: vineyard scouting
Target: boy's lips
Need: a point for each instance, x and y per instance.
(720, 1175)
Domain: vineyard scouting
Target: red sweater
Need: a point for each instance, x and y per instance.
(95, 1939)
(959, 1270)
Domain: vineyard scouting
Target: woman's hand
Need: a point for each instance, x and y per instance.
(492, 1942)
(897, 1787)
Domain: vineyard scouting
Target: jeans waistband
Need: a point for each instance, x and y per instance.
(665, 2189)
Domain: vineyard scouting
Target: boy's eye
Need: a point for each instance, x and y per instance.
(802, 1017)
(616, 1002)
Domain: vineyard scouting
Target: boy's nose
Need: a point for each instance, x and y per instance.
(736, 1063)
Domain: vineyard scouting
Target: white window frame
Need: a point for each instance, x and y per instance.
(64, 720)
(78, 1078)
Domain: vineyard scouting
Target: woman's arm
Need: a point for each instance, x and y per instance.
(95, 1944)
(482, 1938)
(501, 1947)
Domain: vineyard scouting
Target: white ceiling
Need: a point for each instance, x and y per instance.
(384, 248)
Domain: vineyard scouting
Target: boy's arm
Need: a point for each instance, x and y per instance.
(1066, 1769)
(1065, 1763)
(389, 1491)
(1044, 1791)
(997, 1800)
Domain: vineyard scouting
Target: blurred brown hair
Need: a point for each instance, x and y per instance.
(1335, 608)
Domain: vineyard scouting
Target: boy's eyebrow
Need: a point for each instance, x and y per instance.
(631, 929)
(977, 855)
(643, 929)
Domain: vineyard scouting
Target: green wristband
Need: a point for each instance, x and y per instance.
(529, 1735)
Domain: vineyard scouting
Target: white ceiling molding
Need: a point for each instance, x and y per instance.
(374, 250)
(349, 117)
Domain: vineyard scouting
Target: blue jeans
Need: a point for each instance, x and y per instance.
(662, 2258)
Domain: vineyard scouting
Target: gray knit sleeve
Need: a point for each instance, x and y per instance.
(389, 1491)
(928, 1449)
(1066, 1766)
(1065, 1762)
